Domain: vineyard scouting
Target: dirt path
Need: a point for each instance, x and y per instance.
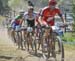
(9, 51)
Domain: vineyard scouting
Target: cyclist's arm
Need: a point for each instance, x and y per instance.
(13, 20)
(21, 22)
(40, 17)
(62, 18)
(40, 20)
(24, 23)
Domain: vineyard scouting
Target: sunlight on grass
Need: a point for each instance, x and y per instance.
(69, 47)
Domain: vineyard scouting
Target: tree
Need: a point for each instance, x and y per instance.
(4, 8)
(73, 11)
(1, 6)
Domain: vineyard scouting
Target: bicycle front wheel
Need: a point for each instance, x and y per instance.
(59, 48)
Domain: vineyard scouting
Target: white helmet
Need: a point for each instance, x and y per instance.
(30, 7)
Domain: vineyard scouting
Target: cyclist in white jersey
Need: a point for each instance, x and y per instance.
(30, 17)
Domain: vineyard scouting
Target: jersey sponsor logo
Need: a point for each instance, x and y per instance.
(49, 19)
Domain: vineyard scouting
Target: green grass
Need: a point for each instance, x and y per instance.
(68, 36)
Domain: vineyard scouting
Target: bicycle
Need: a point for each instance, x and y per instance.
(38, 32)
(29, 37)
(50, 42)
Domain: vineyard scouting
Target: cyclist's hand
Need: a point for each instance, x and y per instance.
(43, 26)
(65, 25)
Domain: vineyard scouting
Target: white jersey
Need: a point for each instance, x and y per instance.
(26, 16)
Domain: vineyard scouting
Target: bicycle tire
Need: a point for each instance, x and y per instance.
(61, 47)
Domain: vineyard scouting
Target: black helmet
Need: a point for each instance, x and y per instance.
(30, 3)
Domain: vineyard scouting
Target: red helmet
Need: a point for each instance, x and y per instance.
(52, 2)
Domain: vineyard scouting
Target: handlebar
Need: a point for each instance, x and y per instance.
(63, 26)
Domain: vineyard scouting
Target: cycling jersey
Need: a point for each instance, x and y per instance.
(30, 20)
(48, 15)
(16, 23)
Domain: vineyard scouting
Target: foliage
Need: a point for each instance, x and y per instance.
(73, 11)
(4, 8)
(13, 3)
(17, 5)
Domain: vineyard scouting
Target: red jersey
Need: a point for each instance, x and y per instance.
(17, 22)
(48, 15)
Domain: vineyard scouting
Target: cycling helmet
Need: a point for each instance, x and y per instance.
(52, 2)
(30, 7)
(18, 17)
(30, 3)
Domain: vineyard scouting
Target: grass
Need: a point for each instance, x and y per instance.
(68, 36)
(69, 46)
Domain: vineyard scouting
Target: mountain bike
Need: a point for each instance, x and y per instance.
(52, 45)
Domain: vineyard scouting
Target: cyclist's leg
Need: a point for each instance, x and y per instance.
(20, 36)
(31, 39)
(27, 41)
(38, 37)
(18, 39)
(52, 44)
(21, 40)
(13, 35)
(25, 37)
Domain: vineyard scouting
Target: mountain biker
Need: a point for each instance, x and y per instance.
(30, 17)
(17, 20)
(16, 26)
(48, 13)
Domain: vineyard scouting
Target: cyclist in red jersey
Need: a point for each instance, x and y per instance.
(48, 13)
